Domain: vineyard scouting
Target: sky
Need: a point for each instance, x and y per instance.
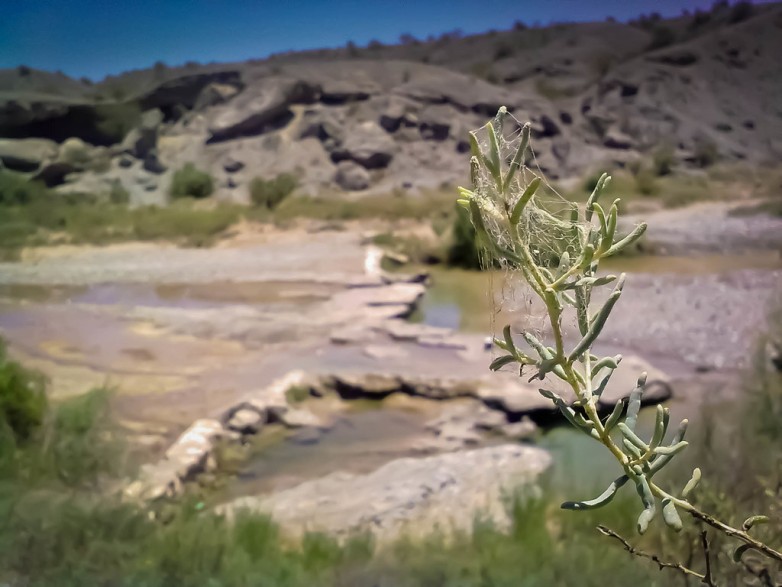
(94, 38)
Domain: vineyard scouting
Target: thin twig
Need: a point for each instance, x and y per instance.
(605, 531)
(762, 574)
(707, 578)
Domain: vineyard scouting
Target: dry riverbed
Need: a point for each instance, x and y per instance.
(186, 334)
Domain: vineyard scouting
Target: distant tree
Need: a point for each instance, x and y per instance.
(408, 39)
(374, 44)
(351, 49)
(86, 81)
(23, 71)
(519, 26)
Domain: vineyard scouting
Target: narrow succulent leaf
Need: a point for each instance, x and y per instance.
(475, 167)
(599, 321)
(632, 436)
(596, 281)
(508, 339)
(518, 158)
(602, 386)
(659, 428)
(463, 203)
(635, 402)
(601, 217)
(753, 521)
(739, 552)
(500, 362)
(692, 483)
(603, 499)
(475, 148)
(541, 349)
(611, 225)
(524, 200)
(631, 238)
(568, 299)
(642, 487)
(606, 362)
(465, 193)
(601, 183)
(616, 414)
(663, 459)
(672, 450)
(493, 160)
(671, 516)
(582, 311)
(632, 449)
(666, 421)
(587, 255)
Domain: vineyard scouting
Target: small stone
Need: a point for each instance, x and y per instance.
(232, 165)
(306, 436)
(521, 430)
(246, 421)
(298, 418)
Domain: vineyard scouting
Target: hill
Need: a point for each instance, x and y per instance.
(705, 86)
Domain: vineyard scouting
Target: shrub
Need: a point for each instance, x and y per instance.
(116, 120)
(270, 193)
(663, 159)
(17, 190)
(189, 182)
(22, 400)
(645, 182)
(706, 152)
(463, 250)
(662, 36)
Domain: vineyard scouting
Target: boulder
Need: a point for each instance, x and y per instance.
(351, 176)
(153, 164)
(434, 122)
(260, 108)
(140, 141)
(368, 145)
(189, 454)
(214, 94)
(410, 495)
(398, 112)
(26, 155)
(246, 421)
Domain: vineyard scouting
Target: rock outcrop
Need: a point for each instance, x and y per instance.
(411, 495)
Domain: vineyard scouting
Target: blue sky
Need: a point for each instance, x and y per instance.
(97, 37)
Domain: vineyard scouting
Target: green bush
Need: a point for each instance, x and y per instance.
(706, 153)
(118, 194)
(463, 252)
(663, 160)
(270, 193)
(189, 182)
(645, 182)
(116, 120)
(17, 190)
(22, 400)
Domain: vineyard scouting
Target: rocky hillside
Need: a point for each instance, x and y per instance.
(374, 119)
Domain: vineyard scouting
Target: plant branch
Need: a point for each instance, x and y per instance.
(605, 531)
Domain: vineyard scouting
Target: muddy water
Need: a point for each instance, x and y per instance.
(361, 439)
(479, 301)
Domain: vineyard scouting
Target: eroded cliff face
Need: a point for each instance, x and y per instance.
(381, 118)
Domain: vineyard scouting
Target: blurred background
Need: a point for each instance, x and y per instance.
(247, 330)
